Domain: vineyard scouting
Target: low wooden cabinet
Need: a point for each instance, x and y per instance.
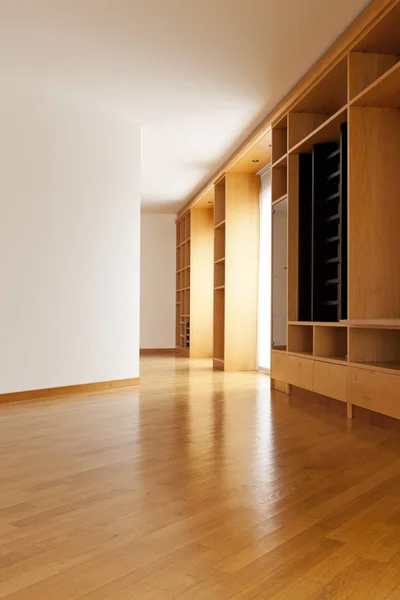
(331, 380)
(300, 372)
(376, 391)
(279, 366)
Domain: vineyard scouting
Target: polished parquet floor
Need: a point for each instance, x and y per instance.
(198, 485)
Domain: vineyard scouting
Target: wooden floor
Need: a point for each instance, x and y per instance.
(197, 486)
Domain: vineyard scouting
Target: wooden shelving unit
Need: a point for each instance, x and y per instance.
(194, 280)
(342, 242)
(236, 233)
(321, 211)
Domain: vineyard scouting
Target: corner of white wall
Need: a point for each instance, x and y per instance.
(69, 244)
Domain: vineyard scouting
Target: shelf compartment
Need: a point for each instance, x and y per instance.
(281, 163)
(366, 68)
(375, 347)
(218, 364)
(220, 224)
(281, 199)
(279, 183)
(219, 244)
(187, 255)
(382, 93)
(279, 140)
(219, 324)
(182, 233)
(300, 339)
(187, 226)
(328, 95)
(186, 275)
(219, 210)
(330, 342)
(329, 131)
(384, 37)
(219, 274)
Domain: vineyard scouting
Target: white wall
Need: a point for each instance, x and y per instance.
(157, 281)
(69, 243)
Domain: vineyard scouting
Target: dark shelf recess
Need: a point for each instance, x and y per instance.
(323, 250)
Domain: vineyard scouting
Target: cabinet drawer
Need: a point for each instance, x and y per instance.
(330, 380)
(376, 391)
(279, 366)
(300, 372)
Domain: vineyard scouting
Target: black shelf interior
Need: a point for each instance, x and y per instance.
(323, 232)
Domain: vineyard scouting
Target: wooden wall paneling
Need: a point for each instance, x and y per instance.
(374, 213)
(201, 283)
(364, 69)
(293, 237)
(241, 274)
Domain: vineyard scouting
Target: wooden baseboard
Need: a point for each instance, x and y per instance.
(68, 390)
(149, 351)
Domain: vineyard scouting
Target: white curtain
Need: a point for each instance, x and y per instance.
(264, 287)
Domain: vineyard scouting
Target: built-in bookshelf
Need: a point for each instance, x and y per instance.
(343, 311)
(334, 148)
(182, 324)
(236, 240)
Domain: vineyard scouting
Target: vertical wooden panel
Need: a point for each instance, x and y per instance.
(293, 236)
(241, 275)
(201, 283)
(374, 213)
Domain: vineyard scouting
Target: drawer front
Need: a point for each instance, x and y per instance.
(330, 380)
(376, 391)
(279, 366)
(300, 372)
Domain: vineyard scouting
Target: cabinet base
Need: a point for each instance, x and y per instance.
(358, 413)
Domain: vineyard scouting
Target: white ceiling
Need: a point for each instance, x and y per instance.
(199, 75)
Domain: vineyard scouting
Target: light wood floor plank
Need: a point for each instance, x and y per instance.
(197, 485)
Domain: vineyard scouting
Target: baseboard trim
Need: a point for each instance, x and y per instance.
(148, 351)
(68, 390)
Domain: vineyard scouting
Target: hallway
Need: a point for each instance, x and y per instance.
(197, 485)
